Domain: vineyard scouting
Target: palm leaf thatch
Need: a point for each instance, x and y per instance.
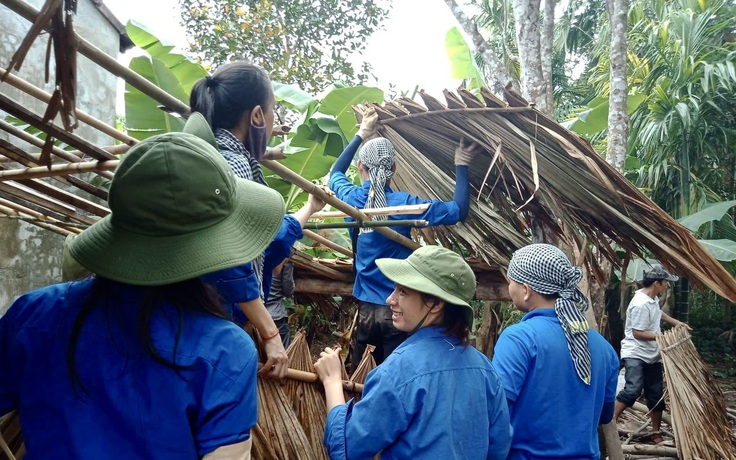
(534, 170)
(367, 364)
(307, 399)
(698, 411)
(11, 438)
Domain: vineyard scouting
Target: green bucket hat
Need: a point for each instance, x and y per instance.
(436, 271)
(178, 212)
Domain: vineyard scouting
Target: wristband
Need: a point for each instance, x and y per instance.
(266, 339)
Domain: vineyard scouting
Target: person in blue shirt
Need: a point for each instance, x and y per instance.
(237, 104)
(559, 375)
(435, 396)
(140, 360)
(376, 167)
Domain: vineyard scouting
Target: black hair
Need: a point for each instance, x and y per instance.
(189, 295)
(233, 90)
(453, 318)
(646, 282)
(549, 296)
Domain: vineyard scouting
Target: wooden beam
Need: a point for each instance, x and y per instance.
(388, 211)
(15, 154)
(72, 157)
(35, 120)
(42, 204)
(108, 63)
(43, 96)
(14, 210)
(58, 170)
(311, 188)
(327, 243)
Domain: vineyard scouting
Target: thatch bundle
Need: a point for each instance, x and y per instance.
(367, 364)
(307, 399)
(698, 410)
(11, 438)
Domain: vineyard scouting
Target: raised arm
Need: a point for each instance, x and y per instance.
(464, 154)
(367, 129)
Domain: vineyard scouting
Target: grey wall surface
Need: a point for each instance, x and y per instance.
(30, 257)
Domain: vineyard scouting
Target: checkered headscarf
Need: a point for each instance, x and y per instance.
(547, 271)
(378, 156)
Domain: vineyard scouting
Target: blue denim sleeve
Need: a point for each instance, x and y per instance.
(499, 431)
(234, 285)
(280, 249)
(229, 405)
(462, 191)
(8, 387)
(341, 185)
(346, 157)
(361, 430)
(512, 357)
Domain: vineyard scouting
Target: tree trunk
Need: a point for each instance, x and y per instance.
(548, 36)
(533, 84)
(500, 75)
(618, 112)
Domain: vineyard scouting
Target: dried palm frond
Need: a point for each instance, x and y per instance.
(699, 417)
(307, 399)
(11, 437)
(534, 171)
(367, 364)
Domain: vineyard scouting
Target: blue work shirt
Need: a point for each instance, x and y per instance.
(553, 412)
(135, 408)
(431, 399)
(371, 285)
(241, 284)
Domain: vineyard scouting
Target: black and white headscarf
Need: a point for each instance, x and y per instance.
(548, 271)
(378, 156)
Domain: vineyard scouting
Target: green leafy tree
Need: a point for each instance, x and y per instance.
(300, 42)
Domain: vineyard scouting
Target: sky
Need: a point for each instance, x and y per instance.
(409, 51)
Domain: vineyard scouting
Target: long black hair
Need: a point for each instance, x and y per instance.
(233, 90)
(453, 319)
(189, 295)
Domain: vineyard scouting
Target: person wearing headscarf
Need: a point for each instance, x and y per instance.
(559, 375)
(140, 360)
(435, 396)
(237, 104)
(376, 166)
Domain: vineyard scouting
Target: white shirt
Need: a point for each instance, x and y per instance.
(643, 314)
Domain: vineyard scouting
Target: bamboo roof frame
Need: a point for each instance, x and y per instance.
(511, 184)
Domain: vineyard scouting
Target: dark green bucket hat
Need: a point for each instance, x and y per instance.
(178, 212)
(436, 271)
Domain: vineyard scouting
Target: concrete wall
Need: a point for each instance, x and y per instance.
(30, 257)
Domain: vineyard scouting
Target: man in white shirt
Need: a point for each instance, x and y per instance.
(640, 351)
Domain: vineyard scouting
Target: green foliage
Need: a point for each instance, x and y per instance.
(300, 42)
(172, 72)
(462, 64)
(711, 322)
(593, 118)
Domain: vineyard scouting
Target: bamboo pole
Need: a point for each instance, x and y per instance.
(72, 157)
(310, 377)
(391, 210)
(13, 153)
(44, 204)
(35, 120)
(43, 96)
(58, 170)
(366, 224)
(641, 449)
(108, 63)
(325, 242)
(48, 224)
(294, 178)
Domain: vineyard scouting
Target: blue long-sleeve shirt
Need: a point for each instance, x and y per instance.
(370, 284)
(135, 407)
(431, 399)
(539, 377)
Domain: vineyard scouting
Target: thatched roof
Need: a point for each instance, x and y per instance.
(535, 172)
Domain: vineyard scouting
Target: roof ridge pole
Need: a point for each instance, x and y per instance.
(294, 178)
(43, 96)
(108, 63)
